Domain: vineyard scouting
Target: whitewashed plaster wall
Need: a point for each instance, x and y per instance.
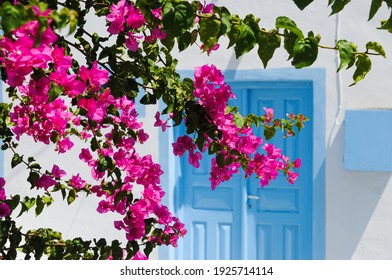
(359, 204)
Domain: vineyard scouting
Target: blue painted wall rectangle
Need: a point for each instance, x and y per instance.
(368, 138)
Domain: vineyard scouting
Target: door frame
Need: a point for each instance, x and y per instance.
(171, 166)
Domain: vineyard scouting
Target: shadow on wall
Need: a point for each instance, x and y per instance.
(352, 198)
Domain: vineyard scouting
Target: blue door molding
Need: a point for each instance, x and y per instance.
(171, 165)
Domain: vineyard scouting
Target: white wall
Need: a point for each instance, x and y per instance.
(358, 203)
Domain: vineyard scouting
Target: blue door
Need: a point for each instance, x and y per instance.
(239, 219)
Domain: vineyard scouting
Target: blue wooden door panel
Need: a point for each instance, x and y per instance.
(213, 217)
(281, 219)
(224, 224)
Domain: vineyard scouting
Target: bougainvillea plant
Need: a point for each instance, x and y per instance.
(66, 104)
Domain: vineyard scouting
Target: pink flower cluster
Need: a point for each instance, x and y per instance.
(4, 208)
(49, 179)
(136, 169)
(183, 144)
(124, 16)
(53, 104)
(213, 94)
(26, 67)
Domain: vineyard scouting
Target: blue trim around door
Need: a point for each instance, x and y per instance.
(171, 164)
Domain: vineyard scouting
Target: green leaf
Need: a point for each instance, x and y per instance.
(102, 164)
(14, 202)
(73, 21)
(268, 43)
(386, 24)
(286, 23)
(289, 42)
(168, 42)
(27, 204)
(225, 17)
(40, 206)
(363, 65)
(148, 99)
(376, 47)
(35, 166)
(229, 161)
(54, 91)
(16, 160)
(209, 31)
(12, 253)
(15, 238)
(116, 250)
(71, 196)
(55, 137)
(148, 249)
(214, 148)
(234, 32)
(220, 160)
(184, 41)
(12, 16)
(375, 6)
(246, 39)
(338, 5)
(346, 54)
(302, 4)
(252, 119)
(200, 141)
(239, 120)
(269, 132)
(305, 52)
(33, 178)
(177, 19)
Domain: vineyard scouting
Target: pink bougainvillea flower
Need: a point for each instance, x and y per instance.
(4, 210)
(38, 11)
(64, 145)
(116, 18)
(60, 61)
(142, 136)
(77, 182)
(194, 158)
(131, 42)
(156, 34)
(183, 144)
(135, 18)
(71, 84)
(2, 190)
(2, 194)
(45, 182)
(157, 13)
(57, 172)
(269, 114)
(180, 227)
(160, 123)
(85, 155)
(213, 48)
(297, 163)
(292, 176)
(206, 8)
(95, 77)
(139, 256)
